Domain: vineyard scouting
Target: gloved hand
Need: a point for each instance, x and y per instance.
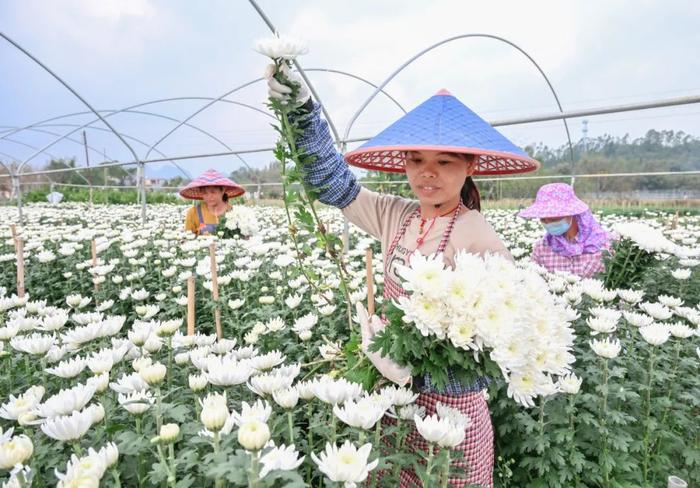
(369, 326)
(281, 91)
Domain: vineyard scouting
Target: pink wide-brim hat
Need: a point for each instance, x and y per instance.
(211, 177)
(554, 200)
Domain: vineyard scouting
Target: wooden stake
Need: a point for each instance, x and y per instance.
(370, 281)
(13, 227)
(20, 267)
(93, 248)
(190, 305)
(215, 289)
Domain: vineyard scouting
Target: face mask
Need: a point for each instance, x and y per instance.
(557, 228)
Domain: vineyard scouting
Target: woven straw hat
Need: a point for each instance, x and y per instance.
(442, 123)
(211, 177)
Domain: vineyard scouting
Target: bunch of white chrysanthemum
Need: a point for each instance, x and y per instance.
(243, 219)
(487, 305)
(650, 239)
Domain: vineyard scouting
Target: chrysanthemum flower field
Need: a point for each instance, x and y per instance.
(103, 385)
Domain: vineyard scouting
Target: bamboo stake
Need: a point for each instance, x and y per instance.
(215, 289)
(13, 227)
(370, 281)
(93, 249)
(20, 267)
(190, 305)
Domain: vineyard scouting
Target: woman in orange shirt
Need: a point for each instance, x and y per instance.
(214, 190)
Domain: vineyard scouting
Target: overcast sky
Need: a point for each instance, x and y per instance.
(120, 53)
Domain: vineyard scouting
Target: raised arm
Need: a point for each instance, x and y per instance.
(329, 174)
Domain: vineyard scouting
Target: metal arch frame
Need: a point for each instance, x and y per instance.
(127, 110)
(359, 78)
(110, 114)
(200, 110)
(22, 143)
(671, 102)
(183, 122)
(126, 136)
(269, 24)
(199, 129)
(78, 96)
(140, 164)
(115, 112)
(445, 41)
(69, 88)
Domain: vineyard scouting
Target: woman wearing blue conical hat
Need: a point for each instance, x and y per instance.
(440, 145)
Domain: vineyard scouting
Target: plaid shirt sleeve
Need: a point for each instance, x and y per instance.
(584, 265)
(329, 173)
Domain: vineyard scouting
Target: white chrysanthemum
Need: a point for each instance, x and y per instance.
(655, 334)
(34, 344)
(281, 47)
(362, 414)
(281, 458)
(129, 383)
(26, 402)
(69, 368)
(638, 319)
(570, 384)
(286, 398)
(670, 301)
(66, 401)
(335, 391)
(137, 402)
(681, 331)
(260, 410)
(346, 464)
(601, 325)
(607, 348)
(425, 275)
(681, 274)
(657, 310)
(70, 427)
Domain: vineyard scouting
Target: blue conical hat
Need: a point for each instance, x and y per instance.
(442, 123)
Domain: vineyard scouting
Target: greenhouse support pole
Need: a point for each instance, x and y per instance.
(142, 183)
(18, 192)
(87, 162)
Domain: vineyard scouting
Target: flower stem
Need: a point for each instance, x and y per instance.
(399, 445)
(140, 471)
(159, 410)
(218, 483)
(604, 426)
(429, 465)
(671, 383)
(115, 476)
(76, 448)
(333, 428)
(170, 361)
(310, 411)
(171, 457)
(446, 474)
(290, 425)
(647, 415)
(254, 471)
(377, 434)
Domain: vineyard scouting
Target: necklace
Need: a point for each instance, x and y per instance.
(421, 236)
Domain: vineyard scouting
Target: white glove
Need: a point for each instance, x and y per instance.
(369, 326)
(281, 91)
